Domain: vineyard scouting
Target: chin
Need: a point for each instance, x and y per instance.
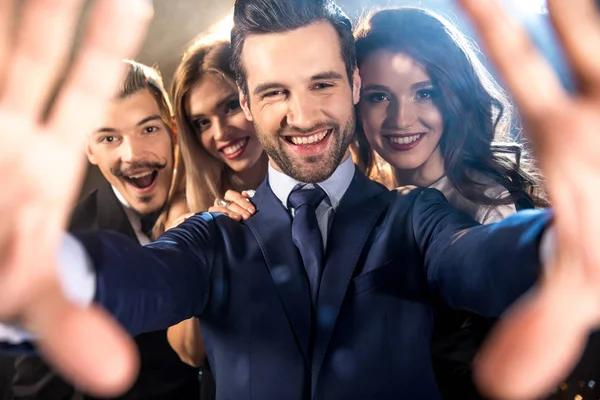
(315, 174)
(238, 165)
(142, 207)
(405, 163)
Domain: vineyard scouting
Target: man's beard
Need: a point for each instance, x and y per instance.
(309, 169)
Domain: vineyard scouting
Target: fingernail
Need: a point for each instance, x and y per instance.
(246, 215)
(250, 193)
(251, 210)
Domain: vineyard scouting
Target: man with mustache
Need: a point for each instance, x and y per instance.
(134, 150)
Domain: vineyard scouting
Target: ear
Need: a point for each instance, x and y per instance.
(356, 86)
(245, 104)
(89, 153)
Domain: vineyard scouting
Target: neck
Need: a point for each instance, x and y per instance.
(252, 177)
(424, 175)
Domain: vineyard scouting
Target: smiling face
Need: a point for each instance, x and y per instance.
(221, 127)
(134, 151)
(398, 112)
(300, 99)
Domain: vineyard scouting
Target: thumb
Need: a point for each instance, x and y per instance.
(86, 346)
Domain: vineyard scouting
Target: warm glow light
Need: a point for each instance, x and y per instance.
(219, 31)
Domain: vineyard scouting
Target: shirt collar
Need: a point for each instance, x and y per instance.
(335, 186)
(120, 197)
(132, 215)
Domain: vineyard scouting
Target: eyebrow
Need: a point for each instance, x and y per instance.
(154, 117)
(375, 87)
(421, 85)
(328, 75)
(224, 100)
(414, 86)
(148, 119)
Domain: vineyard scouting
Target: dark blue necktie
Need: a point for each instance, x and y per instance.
(306, 234)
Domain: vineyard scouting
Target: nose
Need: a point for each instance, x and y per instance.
(219, 130)
(131, 149)
(402, 114)
(302, 113)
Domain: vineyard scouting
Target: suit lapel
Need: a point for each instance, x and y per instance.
(272, 227)
(354, 220)
(110, 212)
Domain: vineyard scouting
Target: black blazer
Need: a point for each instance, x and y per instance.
(388, 256)
(162, 374)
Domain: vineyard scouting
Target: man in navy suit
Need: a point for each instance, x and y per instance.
(333, 278)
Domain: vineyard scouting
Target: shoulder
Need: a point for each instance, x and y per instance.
(486, 214)
(85, 210)
(418, 199)
(176, 210)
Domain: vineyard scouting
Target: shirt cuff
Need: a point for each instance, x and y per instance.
(547, 247)
(76, 272)
(77, 279)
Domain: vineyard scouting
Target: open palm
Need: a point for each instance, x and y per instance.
(41, 167)
(539, 341)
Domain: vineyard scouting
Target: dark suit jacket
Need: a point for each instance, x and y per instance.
(388, 257)
(162, 374)
(6, 374)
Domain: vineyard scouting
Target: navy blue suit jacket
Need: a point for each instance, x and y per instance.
(389, 257)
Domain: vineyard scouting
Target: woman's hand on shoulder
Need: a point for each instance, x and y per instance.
(235, 205)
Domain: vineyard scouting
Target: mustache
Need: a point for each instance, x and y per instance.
(120, 173)
(292, 130)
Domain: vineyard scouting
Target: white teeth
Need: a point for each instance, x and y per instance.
(142, 175)
(235, 147)
(404, 140)
(312, 139)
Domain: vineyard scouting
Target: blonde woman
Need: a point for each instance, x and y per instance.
(218, 151)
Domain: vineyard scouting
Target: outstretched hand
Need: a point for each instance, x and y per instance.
(541, 338)
(41, 168)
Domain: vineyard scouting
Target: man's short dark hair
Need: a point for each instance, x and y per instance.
(272, 16)
(140, 77)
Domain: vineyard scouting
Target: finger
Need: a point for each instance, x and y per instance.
(44, 40)
(226, 211)
(6, 19)
(515, 361)
(240, 201)
(249, 193)
(115, 31)
(86, 346)
(530, 79)
(577, 25)
(236, 208)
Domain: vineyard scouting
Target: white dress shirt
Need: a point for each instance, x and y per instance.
(334, 187)
(133, 217)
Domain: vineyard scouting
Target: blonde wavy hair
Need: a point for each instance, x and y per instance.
(199, 178)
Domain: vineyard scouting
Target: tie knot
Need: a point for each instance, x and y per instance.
(300, 197)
